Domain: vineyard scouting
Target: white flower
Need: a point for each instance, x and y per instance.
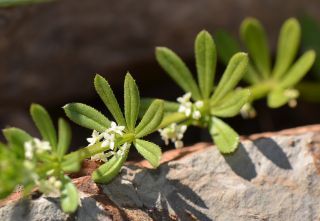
(95, 137)
(50, 186)
(100, 156)
(199, 104)
(196, 115)
(35, 146)
(185, 98)
(178, 144)
(109, 140)
(173, 133)
(116, 129)
(188, 108)
(122, 150)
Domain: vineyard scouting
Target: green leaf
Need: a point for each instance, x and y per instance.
(288, 43)
(298, 70)
(44, 124)
(64, 137)
(277, 98)
(231, 104)
(172, 118)
(71, 165)
(224, 136)
(236, 68)
(227, 46)
(16, 139)
(177, 70)
(150, 151)
(86, 116)
(251, 76)
(254, 37)
(151, 120)
(106, 94)
(206, 59)
(108, 171)
(168, 106)
(69, 197)
(131, 101)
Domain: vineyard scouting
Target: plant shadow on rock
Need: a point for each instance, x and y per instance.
(243, 166)
(163, 198)
(241, 163)
(271, 150)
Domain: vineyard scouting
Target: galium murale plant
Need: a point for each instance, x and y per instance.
(204, 103)
(277, 83)
(39, 163)
(111, 140)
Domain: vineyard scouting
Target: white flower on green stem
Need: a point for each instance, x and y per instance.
(116, 129)
(188, 108)
(292, 94)
(50, 186)
(122, 150)
(109, 140)
(35, 146)
(173, 133)
(95, 137)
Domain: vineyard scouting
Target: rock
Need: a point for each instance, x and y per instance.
(269, 177)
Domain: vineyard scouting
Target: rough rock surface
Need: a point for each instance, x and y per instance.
(268, 178)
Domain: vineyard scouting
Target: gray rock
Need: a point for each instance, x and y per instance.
(272, 178)
(48, 209)
(267, 179)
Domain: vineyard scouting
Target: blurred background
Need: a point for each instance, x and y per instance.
(50, 52)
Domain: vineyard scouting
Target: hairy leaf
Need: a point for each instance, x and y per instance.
(231, 104)
(254, 37)
(64, 140)
(16, 139)
(151, 120)
(69, 197)
(44, 124)
(108, 171)
(206, 59)
(131, 101)
(86, 116)
(277, 98)
(168, 106)
(235, 70)
(299, 69)
(177, 70)
(224, 136)
(170, 118)
(150, 151)
(288, 43)
(106, 94)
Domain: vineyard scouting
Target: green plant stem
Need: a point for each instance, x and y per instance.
(260, 90)
(92, 150)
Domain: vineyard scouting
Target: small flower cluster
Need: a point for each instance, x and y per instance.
(188, 108)
(247, 111)
(35, 146)
(32, 149)
(108, 139)
(50, 186)
(173, 133)
(292, 94)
